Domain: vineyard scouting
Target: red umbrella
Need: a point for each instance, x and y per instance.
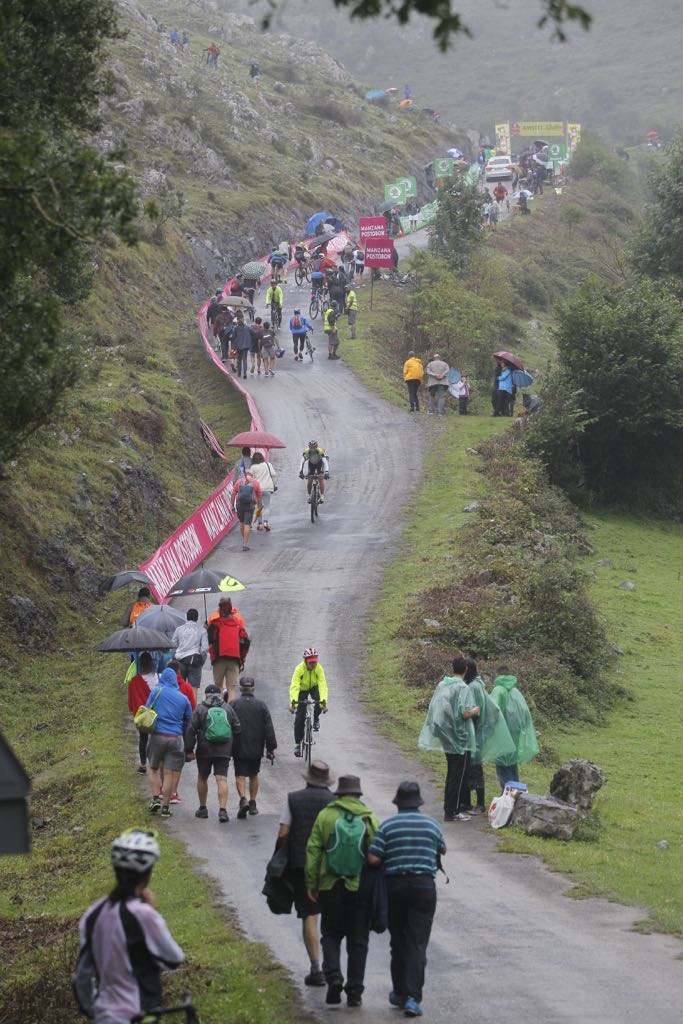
(255, 439)
(651, 135)
(508, 357)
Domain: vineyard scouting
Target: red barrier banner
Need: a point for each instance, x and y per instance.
(379, 252)
(372, 227)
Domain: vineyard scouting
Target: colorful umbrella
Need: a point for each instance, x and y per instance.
(125, 578)
(132, 639)
(256, 439)
(315, 220)
(254, 269)
(205, 581)
(509, 357)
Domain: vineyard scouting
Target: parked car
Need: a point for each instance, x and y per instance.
(499, 168)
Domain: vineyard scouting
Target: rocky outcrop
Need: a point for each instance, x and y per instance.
(545, 816)
(577, 783)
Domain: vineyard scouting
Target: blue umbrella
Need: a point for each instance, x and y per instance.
(453, 379)
(315, 220)
(522, 379)
(374, 94)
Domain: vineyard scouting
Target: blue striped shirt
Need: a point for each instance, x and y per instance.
(408, 844)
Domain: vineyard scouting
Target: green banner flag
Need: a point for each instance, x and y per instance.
(395, 193)
(557, 151)
(444, 167)
(410, 186)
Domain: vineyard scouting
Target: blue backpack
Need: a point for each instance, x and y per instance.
(245, 494)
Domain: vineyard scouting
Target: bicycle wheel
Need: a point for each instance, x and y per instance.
(308, 757)
(314, 501)
(313, 308)
(307, 271)
(309, 347)
(299, 276)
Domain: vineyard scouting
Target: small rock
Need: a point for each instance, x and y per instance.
(486, 576)
(84, 752)
(616, 648)
(577, 782)
(662, 844)
(473, 506)
(626, 585)
(41, 725)
(544, 816)
(472, 451)
(604, 561)
(39, 822)
(432, 623)
(78, 828)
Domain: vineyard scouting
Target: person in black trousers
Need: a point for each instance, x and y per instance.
(408, 846)
(256, 734)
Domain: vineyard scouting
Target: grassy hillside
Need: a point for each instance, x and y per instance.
(620, 78)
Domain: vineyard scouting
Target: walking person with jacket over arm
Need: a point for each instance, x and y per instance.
(256, 734)
(408, 846)
(335, 855)
(212, 730)
(301, 810)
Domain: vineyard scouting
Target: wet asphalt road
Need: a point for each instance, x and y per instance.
(555, 959)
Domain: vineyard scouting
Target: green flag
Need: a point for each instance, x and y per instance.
(410, 185)
(395, 193)
(444, 167)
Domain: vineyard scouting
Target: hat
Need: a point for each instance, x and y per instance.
(318, 774)
(348, 785)
(211, 688)
(247, 683)
(408, 795)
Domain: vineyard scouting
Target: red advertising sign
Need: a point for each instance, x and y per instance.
(379, 252)
(372, 227)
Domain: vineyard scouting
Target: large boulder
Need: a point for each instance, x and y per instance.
(544, 816)
(577, 782)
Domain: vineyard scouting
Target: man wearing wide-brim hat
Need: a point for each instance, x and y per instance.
(334, 859)
(408, 845)
(296, 822)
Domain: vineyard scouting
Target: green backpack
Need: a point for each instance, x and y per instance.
(345, 853)
(218, 729)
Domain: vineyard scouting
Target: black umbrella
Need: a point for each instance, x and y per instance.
(160, 617)
(135, 639)
(205, 581)
(125, 578)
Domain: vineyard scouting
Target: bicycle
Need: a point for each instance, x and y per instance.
(302, 272)
(275, 314)
(320, 301)
(309, 347)
(309, 728)
(315, 496)
(153, 1016)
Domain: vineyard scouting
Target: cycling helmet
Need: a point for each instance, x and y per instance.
(136, 850)
(310, 653)
(297, 309)
(312, 444)
(347, 288)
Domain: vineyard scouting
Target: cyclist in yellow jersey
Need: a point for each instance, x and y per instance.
(308, 680)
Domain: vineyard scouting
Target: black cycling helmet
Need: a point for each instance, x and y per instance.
(312, 444)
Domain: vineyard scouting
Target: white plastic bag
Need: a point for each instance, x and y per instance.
(501, 809)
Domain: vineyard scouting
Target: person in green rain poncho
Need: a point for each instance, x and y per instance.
(518, 718)
(449, 728)
(492, 738)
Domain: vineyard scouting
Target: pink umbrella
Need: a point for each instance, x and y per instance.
(508, 357)
(255, 439)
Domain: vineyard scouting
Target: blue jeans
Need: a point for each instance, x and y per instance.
(507, 773)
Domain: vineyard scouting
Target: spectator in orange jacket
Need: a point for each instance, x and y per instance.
(228, 646)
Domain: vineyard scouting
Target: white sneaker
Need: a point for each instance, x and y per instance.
(321, 499)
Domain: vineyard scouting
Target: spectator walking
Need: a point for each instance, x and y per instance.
(212, 730)
(351, 308)
(264, 474)
(359, 263)
(268, 344)
(241, 342)
(413, 375)
(448, 727)
(515, 709)
(437, 384)
(335, 855)
(165, 749)
(141, 604)
(256, 735)
(139, 688)
(463, 394)
(228, 646)
(301, 810)
(256, 332)
(191, 648)
(408, 846)
(299, 325)
(492, 740)
(121, 932)
(243, 464)
(246, 495)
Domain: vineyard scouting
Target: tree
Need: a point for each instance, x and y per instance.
(58, 197)
(614, 409)
(447, 22)
(456, 232)
(659, 248)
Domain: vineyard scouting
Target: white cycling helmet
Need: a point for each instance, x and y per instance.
(135, 850)
(310, 652)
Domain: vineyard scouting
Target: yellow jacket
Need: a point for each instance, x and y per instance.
(351, 300)
(304, 679)
(413, 369)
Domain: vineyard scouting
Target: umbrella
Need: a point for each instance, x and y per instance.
(315, 220)
(237, 301)
(375, 94)
(508, 357)
(205, 581)
(455, 153)
(161, 617)
(256, 439)
(335, 223)
(125, 578)
(254, 269)
(453, 378)
(135, 639)
(652, 135)
(388, 205)
(520, 378)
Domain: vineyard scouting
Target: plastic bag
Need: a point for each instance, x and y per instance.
(501, 809)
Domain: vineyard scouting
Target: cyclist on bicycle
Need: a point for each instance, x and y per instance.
(298, 326)
(315, 464)
(124, 942)
(308, 680)
(277, 261)
(301, 253)
(318, 276)
(274, 300)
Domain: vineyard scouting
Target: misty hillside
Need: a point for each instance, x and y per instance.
(621, 78)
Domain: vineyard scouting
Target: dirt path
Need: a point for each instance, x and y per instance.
(569, 960)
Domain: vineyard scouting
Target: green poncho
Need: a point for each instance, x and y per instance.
(518, 717)
(445, 729)
(492, 736)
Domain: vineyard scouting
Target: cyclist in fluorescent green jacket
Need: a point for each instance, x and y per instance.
(308, 679)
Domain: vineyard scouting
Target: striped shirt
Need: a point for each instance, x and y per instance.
(408, 844)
